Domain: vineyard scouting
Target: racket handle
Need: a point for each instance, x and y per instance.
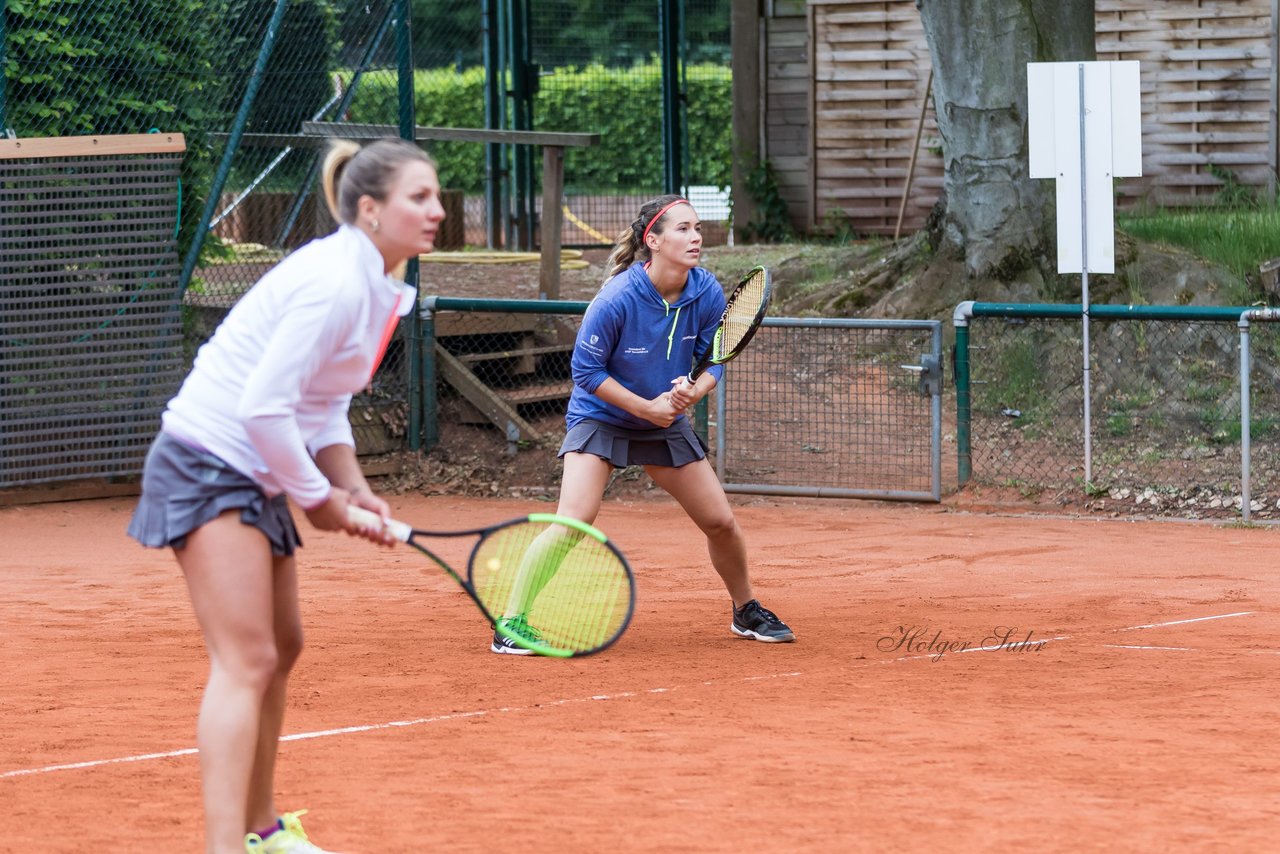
(369, 519)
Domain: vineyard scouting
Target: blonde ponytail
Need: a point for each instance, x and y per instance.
(351, 172)
(340, 153)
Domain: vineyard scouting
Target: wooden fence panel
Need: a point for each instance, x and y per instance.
(1209, 94)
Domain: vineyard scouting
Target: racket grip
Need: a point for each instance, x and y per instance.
(369, 519)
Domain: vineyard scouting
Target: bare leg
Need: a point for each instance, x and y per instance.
(699, 492)
(228, 567)
(582, 486)
(287, 630)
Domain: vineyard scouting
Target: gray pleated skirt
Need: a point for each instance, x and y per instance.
(672, 446)
(184, 487)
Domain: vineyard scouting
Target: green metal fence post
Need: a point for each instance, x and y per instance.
(964, 453)
(669, 24)
(408, 130)
(493, 76)
(233, 143)
(3, 44)
(430, 407)
(524, 85)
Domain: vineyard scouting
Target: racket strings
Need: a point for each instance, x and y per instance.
(740, 315)
(571, 591)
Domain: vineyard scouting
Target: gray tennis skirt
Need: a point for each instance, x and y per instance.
(184, 487)
(672, 446)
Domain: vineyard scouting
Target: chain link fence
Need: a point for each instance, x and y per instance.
(601, 71)
(1165, 411)
(90, 338)
(813, 407)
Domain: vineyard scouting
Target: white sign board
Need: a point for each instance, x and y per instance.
(1110, 121)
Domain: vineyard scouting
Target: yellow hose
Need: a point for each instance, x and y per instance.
(570, 259)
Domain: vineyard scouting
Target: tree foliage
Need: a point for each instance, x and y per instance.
(568, 32)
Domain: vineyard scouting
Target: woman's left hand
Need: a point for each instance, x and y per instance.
(364, 497)
(683, 395)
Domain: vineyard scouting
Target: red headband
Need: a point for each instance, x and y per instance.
(658, 216)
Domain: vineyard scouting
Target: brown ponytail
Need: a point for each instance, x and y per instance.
(630, 244)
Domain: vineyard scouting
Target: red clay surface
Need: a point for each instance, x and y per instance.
(1146, 724)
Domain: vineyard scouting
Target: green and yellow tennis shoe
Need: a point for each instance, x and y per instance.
(519, 626)
(287, 838)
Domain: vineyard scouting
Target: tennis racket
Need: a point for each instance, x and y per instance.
(553, 585)
(744, 311)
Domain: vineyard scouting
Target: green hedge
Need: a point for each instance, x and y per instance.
(622, 105)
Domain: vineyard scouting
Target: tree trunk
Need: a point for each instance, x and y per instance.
(990, 209)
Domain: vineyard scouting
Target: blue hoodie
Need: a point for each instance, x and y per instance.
(632, 334)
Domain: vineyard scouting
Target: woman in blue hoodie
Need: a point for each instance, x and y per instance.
(636, 343)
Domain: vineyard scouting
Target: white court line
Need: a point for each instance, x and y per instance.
(348, 730)
(191, 751)
(1132, 646)
(1183, 622)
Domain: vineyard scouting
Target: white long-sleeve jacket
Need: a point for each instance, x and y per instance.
(272, 386)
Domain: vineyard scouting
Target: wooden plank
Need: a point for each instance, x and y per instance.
(519, 352)
(450, 323)
(538, 393)
(1273, 125)
(498, 411)
(1170, 12)
(1206, 138)
(552, 221)
(352, 130)
(380, 466)
(1207, 75)
(92, 146)
(79, 490)
(809, 218)
(1222, 158)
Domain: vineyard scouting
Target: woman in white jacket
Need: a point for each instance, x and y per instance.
(262, 418)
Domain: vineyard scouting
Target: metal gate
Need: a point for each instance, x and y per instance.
(834, 407)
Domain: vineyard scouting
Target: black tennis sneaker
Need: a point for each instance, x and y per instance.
(755, 621)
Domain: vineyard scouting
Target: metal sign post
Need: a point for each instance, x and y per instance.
(1084, 127)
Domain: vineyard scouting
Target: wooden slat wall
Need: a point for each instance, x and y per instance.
(1207, 92)
(860, 66)
(786, 108)
(870, 67)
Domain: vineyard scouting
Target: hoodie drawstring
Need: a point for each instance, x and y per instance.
(671, 336)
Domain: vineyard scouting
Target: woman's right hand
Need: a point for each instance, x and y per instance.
(662, 411)
(332, 514)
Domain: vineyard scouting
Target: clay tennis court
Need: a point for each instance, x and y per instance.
(1144, 721)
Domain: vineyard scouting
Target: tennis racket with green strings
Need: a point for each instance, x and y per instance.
(551, 584)
(744, 311)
